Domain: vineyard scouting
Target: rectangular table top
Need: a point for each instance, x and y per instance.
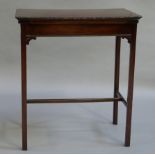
(77, 14)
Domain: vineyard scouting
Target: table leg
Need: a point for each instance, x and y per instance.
(116, 78)
(130, 88)
(24, 91)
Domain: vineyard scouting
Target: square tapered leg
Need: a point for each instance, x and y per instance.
(116, 78)
(130, 87)
(24, 90)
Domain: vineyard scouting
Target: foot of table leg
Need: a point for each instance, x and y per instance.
(116, 79)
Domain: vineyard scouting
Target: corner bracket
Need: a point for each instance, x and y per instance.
(28, 39)
(128, 38)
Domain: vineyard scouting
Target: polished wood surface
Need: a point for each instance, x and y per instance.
(120, 23)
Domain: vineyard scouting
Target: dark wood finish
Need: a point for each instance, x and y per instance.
(24, 88)
(116, 78)
(121, 23)
(77, 100)
(130, 86)
(122, 99)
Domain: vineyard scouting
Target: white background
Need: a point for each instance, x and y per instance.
(75, 67)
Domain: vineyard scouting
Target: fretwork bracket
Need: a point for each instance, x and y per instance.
(28, 39)
(128, 38)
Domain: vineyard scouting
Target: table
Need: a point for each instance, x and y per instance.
(120, 23)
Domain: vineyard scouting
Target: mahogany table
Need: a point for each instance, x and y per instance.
(121, 23)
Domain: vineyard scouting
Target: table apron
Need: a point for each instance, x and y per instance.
(78, 29)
